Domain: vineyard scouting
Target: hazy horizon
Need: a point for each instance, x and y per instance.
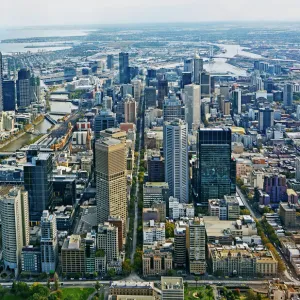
(115, 12)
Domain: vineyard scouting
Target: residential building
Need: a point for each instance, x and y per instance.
(38, 182)
(287, 213)
(49, 242)
(73, 255)
(172, 288)
(176, 159)
(14, 224)
(31, 259)
(111, 186)
(196, 246)
(107, 240)
(130, 109)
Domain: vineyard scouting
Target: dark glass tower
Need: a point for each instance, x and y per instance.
(216, 169)
(163, 91)
(110, 61)
(9, 95)
(38, 182)
(1, 83)
(23, 88)
(124, 67)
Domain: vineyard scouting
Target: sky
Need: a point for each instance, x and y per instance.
(77, 12)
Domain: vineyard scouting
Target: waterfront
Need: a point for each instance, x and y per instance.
(42, 127)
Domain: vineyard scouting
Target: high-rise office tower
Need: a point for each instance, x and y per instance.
(107, 102)
(186, 79)
(221, 101)
(49, 242)
(176, 159)
(124, 67)
(237, 101)
(297, 164)
(150, 96)
(156, 168)
(14, 224)
(216, 169)
(126, 89)
(205, 83)
(151, 74)
(38, 182)
(9, 95)
(130, 109)
(23, 88)
(110, 158)
(35, 89)
(172, 108)
(180, 246)
(137, 88)
(288, 94)
(188, 65)
(198, 68)
(224, 91)
(298, 112)
(1, 82)
(163, 91)
(265, 118)
(105, 119)
(110, 61)
(107, 240)
(192, 105)
(197, 244)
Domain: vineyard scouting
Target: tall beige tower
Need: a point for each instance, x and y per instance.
(15, 225)
(111, 187)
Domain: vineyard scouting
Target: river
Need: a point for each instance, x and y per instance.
(221, 66)
(42, 127)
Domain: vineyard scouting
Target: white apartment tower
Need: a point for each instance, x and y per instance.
(176, 159)
(14, 213)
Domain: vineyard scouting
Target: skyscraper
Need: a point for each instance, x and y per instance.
(104, 120)
(137, 88)
(130, 109)
(188, 65)
(186, 79)
(38, 182)
(205, 83)
(237, 101)
(23, 88)
(9, 95)
(198, 67)
(216, 170)
(176, 159)
(288, 94)
(1, 82)
(297, 165)
(150, 96)
(124, 67)
(49, 243)
(14, 224)
(110, 157)
(110, 62)
(265, 118)
(163, 91)
(192, 105)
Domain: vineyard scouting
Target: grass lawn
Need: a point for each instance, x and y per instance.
(76, 293)
(201, 291)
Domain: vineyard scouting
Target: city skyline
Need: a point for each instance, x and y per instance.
(153, 12)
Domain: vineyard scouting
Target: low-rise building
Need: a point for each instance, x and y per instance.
(155, 192)
(153, 232)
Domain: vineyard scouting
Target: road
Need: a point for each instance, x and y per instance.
(245, 201)
(140, 132)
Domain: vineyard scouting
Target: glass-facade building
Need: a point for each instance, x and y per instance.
(38, 182)
(9, 95)
(216, 171)
(124, 67)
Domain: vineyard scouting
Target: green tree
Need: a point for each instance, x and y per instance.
(250, 295)
(170, 226)
(126, 267)
(111, 273)
(39, 289)
(97, 286)
(245, 212)
(196, 279)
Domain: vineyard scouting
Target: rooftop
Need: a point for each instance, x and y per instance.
(174, 283)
